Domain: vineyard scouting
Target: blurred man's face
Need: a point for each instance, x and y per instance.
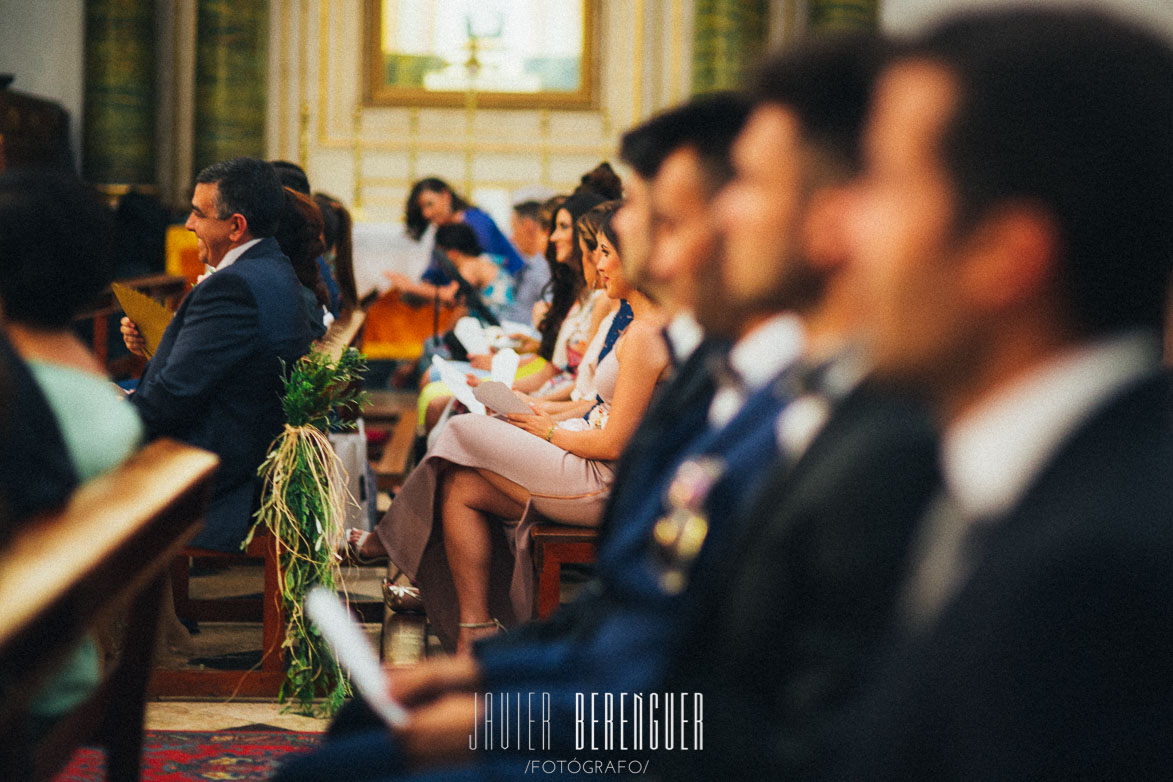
(902, 233)
(633, 224)
(526, 234)
(683, 234)
(759, 215)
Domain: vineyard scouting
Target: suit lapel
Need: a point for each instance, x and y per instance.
(1125, 437)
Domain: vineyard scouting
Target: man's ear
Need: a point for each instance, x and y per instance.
(1012, 255)
(239, 227)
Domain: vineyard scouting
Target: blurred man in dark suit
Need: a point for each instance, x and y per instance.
(792, 606)
(215, 379)
(1016, 224)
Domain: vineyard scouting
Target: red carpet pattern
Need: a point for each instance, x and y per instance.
(178, 756)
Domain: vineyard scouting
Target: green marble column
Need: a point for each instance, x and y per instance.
(837, 15)
(118, 144)
(230, 80)
(728, 36)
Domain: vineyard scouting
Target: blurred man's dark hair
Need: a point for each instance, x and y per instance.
(459, 237)
(529, 210)
(827, 85)
(707, 124)
(1071, 111)
(55, 247)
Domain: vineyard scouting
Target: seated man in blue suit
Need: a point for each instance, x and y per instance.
(215, 379)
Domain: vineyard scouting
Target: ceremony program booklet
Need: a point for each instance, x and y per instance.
(500, 397)
(151, 317)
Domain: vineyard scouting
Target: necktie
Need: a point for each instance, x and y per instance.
(944, 557)
(730, 394)
(815, 388)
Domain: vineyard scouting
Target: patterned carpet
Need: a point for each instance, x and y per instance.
(177, 756)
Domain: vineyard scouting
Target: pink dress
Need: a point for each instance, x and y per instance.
(563, 487)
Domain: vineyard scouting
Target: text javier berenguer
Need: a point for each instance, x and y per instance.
(602, 721)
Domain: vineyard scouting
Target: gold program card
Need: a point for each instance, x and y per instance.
(148, 315)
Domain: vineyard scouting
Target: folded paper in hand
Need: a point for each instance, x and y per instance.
(472, 336)
(500, 397)
(504, 368)
(354, 653)
(458, 385)
(149, 316)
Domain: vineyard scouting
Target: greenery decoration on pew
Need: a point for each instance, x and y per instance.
(302, 505)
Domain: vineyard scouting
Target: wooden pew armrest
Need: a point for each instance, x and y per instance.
(116, 532)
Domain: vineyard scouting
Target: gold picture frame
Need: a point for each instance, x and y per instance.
(487, 63)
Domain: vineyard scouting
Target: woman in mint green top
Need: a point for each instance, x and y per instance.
(99, 425)
(101, 429)
(52, 240)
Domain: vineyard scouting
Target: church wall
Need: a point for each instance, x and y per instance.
(370, 155)
(42, 43)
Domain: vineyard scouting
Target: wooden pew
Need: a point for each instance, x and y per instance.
(267, 679)
(66, 573)
(395, 413)
(556, 545)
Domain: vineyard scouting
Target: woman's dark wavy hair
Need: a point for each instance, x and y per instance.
(338, 233)
(607, 224)
(299, 233)
(589, 223)
(566, 280)
(413, 216)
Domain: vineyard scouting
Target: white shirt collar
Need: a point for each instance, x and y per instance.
(757, 358)
(992, 454)
(232, 256)
(685, 334)
(767, 350)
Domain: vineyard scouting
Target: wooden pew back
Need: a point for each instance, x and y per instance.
(65, 573)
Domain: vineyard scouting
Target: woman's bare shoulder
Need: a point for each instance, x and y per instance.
(646, 341)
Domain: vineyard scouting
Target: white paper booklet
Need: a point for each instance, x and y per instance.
(458, 385)
(504, 368)
(500, 397)
(354, 653)
(472, 336)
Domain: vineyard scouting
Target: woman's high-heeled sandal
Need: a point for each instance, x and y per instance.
(402, 599)
(350, 553)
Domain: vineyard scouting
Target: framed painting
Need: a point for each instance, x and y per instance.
(511, 53)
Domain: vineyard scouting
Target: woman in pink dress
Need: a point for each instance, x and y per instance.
(459, 527)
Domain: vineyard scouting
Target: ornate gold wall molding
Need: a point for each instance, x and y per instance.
(835, 15)
(374, 156)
